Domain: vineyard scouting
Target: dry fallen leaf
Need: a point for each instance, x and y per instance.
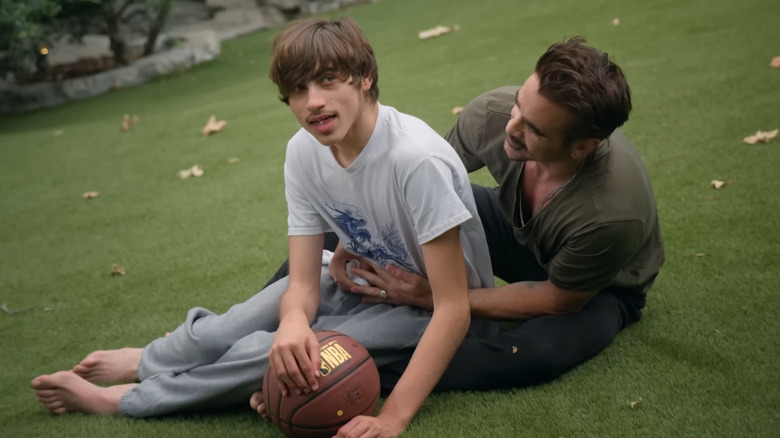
(232, 160)
(636, 402)
(116, 269)
(761, 137)
(615, 21)
(437, 31)
(457, 110)
(716, 184)
(14, 312)
(128, 123)
(195, 171)
(775, 62)
(212, 126)
(90, 195)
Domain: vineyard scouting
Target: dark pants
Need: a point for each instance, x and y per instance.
(538, 349)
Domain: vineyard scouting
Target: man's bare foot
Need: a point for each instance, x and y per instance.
(105, 366)
(66, 392)
(257, 403)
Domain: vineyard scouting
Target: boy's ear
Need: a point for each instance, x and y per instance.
(365, 83)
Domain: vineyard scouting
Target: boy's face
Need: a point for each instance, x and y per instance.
(537, 128)
(331, 108)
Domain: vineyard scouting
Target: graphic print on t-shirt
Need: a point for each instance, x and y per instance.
(390, 248)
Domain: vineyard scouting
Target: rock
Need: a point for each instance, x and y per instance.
(187, 12)
(320, 7)
(66, 51)
(232, 4)
(285, 5)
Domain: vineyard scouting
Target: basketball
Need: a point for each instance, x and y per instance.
(348, 387)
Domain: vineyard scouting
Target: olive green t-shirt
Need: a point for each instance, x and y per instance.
(600, 231)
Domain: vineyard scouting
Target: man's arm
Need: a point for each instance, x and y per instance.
(521, 300)
(526, 299)
(295, 352)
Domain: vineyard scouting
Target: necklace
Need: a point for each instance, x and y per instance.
(559, 188)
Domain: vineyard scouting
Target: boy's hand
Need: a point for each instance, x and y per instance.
(370, 427)
(337, 268)
(295, 355)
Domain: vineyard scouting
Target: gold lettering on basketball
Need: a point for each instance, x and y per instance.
(331, 356)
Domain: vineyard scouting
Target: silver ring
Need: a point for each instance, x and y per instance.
(382, 294)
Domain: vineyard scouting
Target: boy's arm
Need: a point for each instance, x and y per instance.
(447, 274)
(295, 352)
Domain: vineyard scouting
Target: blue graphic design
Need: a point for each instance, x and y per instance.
(389, 250)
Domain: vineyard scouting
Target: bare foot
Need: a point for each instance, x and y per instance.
(105, 366)
(66, 392)
(257, 403)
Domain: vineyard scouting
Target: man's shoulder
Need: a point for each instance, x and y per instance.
(624, 158)
(496, 101)
(624, 187)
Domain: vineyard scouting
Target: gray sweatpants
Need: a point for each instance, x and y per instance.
(219, 360)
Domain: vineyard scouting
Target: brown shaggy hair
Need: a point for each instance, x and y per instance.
(305, 49)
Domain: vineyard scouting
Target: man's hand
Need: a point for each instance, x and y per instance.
(400, 286)
(295, 355)
(370, 427)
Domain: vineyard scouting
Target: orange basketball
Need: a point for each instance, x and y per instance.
(348, 387)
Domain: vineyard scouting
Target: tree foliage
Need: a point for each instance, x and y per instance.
(24, 26)
(27, 24)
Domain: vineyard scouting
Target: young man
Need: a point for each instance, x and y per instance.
(572, 227)
(393, 191)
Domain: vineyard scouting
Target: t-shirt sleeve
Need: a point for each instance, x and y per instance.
(302, 217)
(431, 194)
(591, 260)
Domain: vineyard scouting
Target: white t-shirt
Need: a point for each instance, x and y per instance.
(406, 188)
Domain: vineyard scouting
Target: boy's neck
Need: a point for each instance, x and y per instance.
(348, 149)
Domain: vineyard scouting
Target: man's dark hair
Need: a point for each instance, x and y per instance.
(306, 49)
(587, 83)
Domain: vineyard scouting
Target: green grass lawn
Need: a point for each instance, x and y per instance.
(704, 359)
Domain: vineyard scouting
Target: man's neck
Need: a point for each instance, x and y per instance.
(554, 172)
(348, 149)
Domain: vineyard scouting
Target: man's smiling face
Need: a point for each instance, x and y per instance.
(536, 130)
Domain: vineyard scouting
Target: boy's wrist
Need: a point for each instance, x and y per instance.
(398, 417)
(296, 316)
